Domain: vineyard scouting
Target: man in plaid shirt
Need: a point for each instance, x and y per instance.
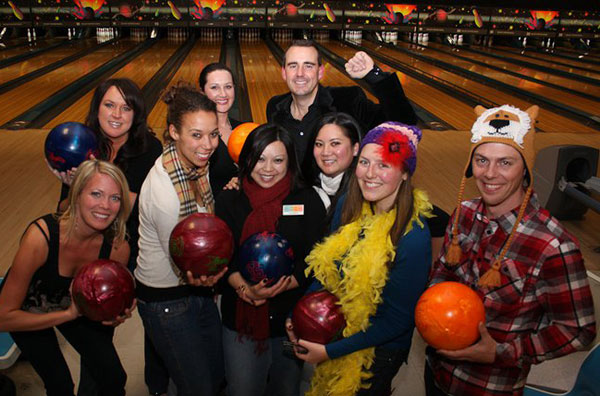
(525, 266)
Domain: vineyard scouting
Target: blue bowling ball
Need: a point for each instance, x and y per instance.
(69, 144)
(266, 255)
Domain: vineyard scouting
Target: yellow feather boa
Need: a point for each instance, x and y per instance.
(364, 264)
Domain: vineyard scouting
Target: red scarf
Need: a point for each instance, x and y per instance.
(266, 206)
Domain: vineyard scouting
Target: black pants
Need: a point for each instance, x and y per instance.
(385, 366)
(93, 342)
(431, 388)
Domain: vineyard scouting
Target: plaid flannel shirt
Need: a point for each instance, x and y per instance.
(543, 308)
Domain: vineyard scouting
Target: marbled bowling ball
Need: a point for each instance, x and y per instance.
(69, 144)
(201, 243)
(317, 317)
(447, 315)
(103, 289)
(266, 255)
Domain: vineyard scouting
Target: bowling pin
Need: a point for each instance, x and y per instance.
(460, 39)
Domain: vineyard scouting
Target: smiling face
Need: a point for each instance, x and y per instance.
(220, 89)
(99, 202)
(379, 182)
(333, 150)
(115, 116)
(302, 71)
(197, 138)
(272, 166)
(499, 170)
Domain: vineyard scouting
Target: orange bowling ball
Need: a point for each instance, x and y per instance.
(448, 314)
(237, 138)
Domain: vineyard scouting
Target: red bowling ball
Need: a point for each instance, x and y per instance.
(317, 317)
(201, 243)
(103, 289)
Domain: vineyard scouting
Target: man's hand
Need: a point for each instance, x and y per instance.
(359, 65)
(484, 351)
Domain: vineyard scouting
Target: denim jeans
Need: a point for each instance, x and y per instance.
(186, 334)
(271, 373)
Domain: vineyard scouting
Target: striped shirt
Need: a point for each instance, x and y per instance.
(542, 310)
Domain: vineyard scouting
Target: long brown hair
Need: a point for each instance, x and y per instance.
(403, 203)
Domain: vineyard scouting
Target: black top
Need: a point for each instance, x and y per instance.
(135, 173)
(221, 167)
(437, 225)
(301, 231)
(393, 106)
(49, 291)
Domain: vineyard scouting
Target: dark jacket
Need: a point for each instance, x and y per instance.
(393, 106)
(301, 231)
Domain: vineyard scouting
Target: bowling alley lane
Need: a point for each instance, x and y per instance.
(439, 103)
(587, 105)
(35, 45)
(140, 70)
(533, 58)
(529, 72)
(27, 95)
(552, 58)
(548, 121)
(39, 61)
(263, 77)
(201, 55)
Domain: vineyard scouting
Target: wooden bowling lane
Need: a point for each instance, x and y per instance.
(35, 45)
(565, 98)
(446, 107)
(28, 189)
(33, 92)
(526, 71)
(202, 54)
(543, 62)
(553, 58)
(549, 121)
(37, 62)
(140, 70)
(263, 77)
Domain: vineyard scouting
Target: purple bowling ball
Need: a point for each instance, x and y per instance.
(69, 144)
(266, 255)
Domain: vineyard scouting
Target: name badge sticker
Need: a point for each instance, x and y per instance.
(293, 210)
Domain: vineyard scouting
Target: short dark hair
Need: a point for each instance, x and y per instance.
(211, 68)
(139, 134)
(256, 143)
(305, 43)
(181, 99)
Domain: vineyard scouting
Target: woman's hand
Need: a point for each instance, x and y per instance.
(121, 318)
(261, 291)
(484, 351)
(233, 184)
(203, 280)
(64, 177)
(311, 352)
(242, 293)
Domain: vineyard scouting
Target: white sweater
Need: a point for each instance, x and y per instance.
(159, 214)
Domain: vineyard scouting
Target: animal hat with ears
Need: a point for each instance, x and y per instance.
(508, 125)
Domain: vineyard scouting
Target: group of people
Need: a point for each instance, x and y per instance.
(330, 172)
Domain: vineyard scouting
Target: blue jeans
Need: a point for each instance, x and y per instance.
(270, 373)
(186, 334)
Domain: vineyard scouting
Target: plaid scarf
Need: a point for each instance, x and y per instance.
(199, 193)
